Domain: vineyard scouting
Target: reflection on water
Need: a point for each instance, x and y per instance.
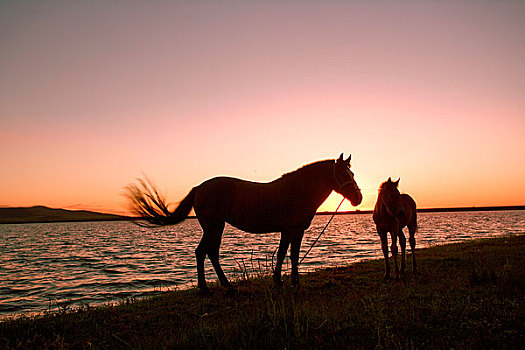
(43, 266)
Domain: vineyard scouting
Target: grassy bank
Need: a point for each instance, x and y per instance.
(468, 295)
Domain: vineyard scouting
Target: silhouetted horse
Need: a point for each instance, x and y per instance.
(392, 212)
(287, 205)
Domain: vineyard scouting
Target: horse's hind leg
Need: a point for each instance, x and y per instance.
(200, 255)
(209, 245)
(403, 244)
(294, 256)
(214, 243)
(281, 254)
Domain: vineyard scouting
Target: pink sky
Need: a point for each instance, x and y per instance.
(94, 93)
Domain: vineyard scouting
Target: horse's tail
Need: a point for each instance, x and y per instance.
(183, 210)
(147, 203)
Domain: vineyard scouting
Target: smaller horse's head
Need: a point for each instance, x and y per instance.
(345, 184)
(390, 198)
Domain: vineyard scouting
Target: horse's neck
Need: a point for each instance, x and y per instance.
(315, 186)
(380, 206)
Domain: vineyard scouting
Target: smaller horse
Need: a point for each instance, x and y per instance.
(393, 211)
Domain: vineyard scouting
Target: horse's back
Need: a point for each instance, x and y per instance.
(408, 202)
(250, 206)
(229, 192)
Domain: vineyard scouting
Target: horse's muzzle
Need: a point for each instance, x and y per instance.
(356, 198)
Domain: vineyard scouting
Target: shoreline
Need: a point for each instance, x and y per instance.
(465, 295)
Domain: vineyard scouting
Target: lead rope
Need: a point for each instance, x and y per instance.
(324, 229)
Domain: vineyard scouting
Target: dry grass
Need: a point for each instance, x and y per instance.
(466, 296)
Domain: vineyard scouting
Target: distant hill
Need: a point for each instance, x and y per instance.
(45, 214)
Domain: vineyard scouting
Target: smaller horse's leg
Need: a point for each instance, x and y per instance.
(281, 254)
(412, 241)
(294, 256)
(384, 246)
(393, 248)
(403, 244)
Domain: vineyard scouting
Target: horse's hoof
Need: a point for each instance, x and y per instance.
(278, 282)
(227, 285)
(295, 281)
(204, 290)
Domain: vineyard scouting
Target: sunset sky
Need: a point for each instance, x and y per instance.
(95, 93)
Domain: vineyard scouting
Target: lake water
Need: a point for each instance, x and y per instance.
(44, 267)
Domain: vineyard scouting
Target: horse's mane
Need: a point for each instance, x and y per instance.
(308, 169)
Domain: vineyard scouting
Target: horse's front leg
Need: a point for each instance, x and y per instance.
(281, 254)
(412, 239)
(403, 244)
(393, 248)
(384, 247)
(294, 255)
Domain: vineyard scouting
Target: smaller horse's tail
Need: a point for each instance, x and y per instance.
(148, 204)
(415, 221)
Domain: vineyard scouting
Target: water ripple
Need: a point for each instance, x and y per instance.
(47, 266)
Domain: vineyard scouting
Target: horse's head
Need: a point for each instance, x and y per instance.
(390, 198)
(344, 182)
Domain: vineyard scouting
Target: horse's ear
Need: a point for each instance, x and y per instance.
(397, 182)
(340, 158)
(389, 180)
(347, 162)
